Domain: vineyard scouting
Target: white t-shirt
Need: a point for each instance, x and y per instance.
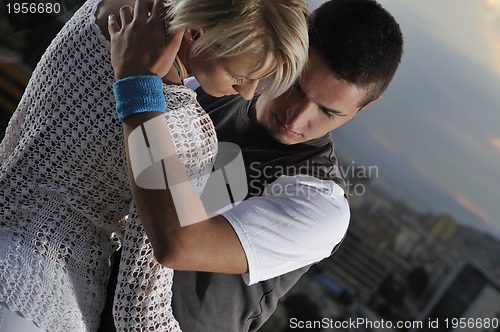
(297, 221)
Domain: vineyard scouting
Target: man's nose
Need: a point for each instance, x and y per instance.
(299, 113)
(246, 89)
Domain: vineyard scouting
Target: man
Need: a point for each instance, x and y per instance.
(355, 49)
(297, 213)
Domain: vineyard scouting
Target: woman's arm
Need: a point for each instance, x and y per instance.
(206, 244)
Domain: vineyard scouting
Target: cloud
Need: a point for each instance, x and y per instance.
(382, 140)
(491, 31)
(473, 208)
(495, 142)
(492, 3)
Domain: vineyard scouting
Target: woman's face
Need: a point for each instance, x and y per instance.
(229, 75)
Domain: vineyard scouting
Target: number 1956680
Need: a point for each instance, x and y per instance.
(33, 8)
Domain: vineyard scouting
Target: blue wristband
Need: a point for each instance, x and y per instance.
(138, 94)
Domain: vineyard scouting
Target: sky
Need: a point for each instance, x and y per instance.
(435, 135)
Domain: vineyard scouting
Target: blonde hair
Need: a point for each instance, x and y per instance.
(251, 28)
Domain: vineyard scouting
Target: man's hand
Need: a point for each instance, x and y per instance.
(138, 42)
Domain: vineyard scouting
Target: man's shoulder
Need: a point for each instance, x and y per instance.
(321, 163)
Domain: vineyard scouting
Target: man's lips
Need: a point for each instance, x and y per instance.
(285, 130)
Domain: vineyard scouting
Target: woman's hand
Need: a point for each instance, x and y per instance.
(138, 41)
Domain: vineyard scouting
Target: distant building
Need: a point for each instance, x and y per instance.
(468, 301)
(444, 228)
(406, 241)
(357, 266)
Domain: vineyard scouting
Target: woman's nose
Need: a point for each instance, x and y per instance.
(246, 89)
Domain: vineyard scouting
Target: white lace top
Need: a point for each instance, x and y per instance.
(63, 187)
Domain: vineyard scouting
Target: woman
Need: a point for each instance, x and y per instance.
(63, 180)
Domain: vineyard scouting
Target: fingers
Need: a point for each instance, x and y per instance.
(113, 25)
(126, 15)
(158, 9)
(141, 11)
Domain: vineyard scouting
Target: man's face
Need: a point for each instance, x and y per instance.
(317, 104)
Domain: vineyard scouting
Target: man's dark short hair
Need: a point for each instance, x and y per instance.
(360, 41)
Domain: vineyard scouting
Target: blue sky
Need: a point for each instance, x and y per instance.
(435, 135)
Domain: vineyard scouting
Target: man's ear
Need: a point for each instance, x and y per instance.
(192, 35)
(370, 103)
